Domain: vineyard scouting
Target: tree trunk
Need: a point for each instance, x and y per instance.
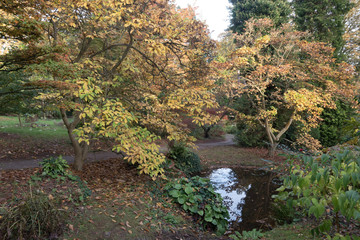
(275, 140)
(80, 149)
(272, 149)
(207, 132)
(20, 123)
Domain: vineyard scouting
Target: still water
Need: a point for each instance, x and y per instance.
(247, 194)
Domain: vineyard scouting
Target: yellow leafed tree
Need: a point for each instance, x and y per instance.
(127, 70)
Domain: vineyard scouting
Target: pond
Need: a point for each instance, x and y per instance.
(247, 195)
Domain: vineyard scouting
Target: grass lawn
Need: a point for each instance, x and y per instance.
(41, 129)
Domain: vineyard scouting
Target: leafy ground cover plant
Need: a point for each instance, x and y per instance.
(58, 168)
(55, 167)
(247, 235)
(327, 188)
(197, 196)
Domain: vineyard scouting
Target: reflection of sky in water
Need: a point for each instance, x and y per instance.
(224, 181)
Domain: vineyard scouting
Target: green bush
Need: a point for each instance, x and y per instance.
(54, 167)
(36, 217)
(331, 129)
(230, 128)
(250, 135)
(325, 187)
(185, 159)
(197, 196)
(58, 168)
(283, 213)
(247, 235)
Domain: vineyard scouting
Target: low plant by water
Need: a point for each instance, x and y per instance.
(197, 196)
(247, 235)
(327, 188)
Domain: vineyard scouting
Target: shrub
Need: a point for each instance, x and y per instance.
(283, 213)
(197, 196)
(230, 128)
(247, 235)
(58, 168)
(54, 167)
(36, 217)
(185, 159)
(325, 187)
(331, 129)
(250, 135)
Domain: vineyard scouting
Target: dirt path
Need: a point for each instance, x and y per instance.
(229, 140)
(102, 155)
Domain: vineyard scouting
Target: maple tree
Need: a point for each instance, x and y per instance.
(282, 74)
(126, 70)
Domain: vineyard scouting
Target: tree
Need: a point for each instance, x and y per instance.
(324, 20)
(352, 37)
(243, 10)
(21, 30)
(280, 72)
(15, 97)
(331, 129)
(127, 70)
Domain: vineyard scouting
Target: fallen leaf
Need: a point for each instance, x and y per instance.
(71, 227)
(51, 197)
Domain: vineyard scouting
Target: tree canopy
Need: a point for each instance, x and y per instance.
(243, 10)
(325, 20)
(282, 74)
(127, 70)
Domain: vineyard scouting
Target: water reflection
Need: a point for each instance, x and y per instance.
(247, 194)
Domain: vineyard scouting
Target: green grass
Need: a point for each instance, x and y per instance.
(45, 129)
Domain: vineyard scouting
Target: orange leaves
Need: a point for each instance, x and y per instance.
(127, 69)
(279, 71)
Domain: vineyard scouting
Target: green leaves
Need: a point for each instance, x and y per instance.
(325, 190)
(250, 235)
(174, 193)
(54, 167)
(198, 197)
(188, 190)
